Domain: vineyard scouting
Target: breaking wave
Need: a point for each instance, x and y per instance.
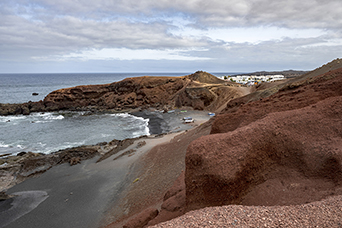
(50, 132)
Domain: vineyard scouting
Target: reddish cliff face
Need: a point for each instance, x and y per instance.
(291, 96)
(197, 90)
(281, 150)
(201, 91)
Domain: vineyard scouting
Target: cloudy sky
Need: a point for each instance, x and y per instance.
(50, 36)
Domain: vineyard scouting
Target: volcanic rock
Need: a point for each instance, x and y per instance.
(282, 150)
(173, 203)
(142, 219)
(200, 90)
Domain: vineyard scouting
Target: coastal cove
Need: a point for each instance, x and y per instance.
(19, 88)
(46, 132)
(104, 181)
(52, 131)
(252, 155)
(153, 121)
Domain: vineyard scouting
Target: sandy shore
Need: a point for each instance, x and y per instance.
(172, 121)
(84, 195)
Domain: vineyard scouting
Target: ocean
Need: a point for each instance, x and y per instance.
(50, 132)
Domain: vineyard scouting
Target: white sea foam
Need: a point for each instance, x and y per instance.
(41, 144)
(11, 119)
(138, 125)
(47, 132)
(32, 118)
(142, 129)
(44, 117)
(3, 145)
(12, 145)
(123, 115)
(53, 117)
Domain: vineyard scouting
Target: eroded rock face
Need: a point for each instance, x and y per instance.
(15, 169)
(140, 92)
(240, 112)
(194, 90)
(282, 151)
(142, 219)
(173, 203)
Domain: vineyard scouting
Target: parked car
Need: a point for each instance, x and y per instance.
(188, 120)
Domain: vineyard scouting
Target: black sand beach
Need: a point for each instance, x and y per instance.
(165, 122)
(79, 196)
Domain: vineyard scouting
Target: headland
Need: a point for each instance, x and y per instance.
(270, 157)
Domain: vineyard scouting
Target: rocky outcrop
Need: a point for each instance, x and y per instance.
(280, 145)
(240, 112)
(264, 91)
(173, 202)
(281, 150)
(198, 90)
(16, 168)
(142, 219)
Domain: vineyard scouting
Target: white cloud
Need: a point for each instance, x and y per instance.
(249, 34)
(195, 30)
(128, 54)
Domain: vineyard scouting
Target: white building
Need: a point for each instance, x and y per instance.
(253, 79)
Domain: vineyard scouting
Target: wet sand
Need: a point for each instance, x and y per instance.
(80, 195)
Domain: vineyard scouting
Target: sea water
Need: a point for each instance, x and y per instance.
(50, 132)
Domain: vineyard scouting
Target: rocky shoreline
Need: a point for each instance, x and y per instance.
(14, 169)
(272, 157)
(269, 148)
(199, 91)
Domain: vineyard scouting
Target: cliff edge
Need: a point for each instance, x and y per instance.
(278, 147)
(201, 91)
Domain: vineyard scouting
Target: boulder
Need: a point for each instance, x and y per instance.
(142, 218)
(173, 203)
(300, 149)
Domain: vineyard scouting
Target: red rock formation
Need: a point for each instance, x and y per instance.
(142, 219)
(292, 96)
(277, 146)
(173, 203)
(199, 90)
(282, 150)
(194, 90)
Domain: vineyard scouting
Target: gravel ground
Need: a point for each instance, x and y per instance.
(325, 213)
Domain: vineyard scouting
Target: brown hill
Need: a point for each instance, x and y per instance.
(204, 77)
(200, 91)
(267, 90)
(293, 137)
(284, 149)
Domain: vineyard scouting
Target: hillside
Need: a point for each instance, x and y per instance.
(272, 157)
(283, 149)
(200, 91)
(286, 73)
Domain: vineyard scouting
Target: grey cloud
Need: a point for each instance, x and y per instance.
(290, 13)
(69, 34)
(39, 28)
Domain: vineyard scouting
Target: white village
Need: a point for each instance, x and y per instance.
(250, 80)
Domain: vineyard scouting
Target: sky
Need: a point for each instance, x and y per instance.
(79, 36)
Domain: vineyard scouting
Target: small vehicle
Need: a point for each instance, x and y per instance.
(188, 120)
